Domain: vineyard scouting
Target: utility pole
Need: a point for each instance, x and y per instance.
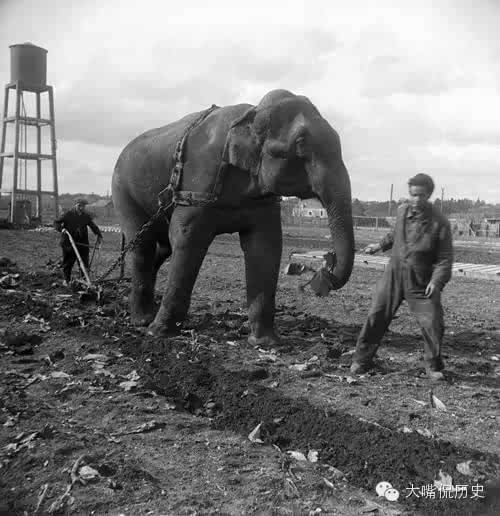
(442, 197)
(390, 202)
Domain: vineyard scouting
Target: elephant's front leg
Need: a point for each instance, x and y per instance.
(262, 248)
(191, 233)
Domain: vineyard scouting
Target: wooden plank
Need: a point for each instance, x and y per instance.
(477, 243)
(25, 87)
(27, 192)
(478, 274)
(53, 147)
(465, 266)
(26, 155)
(15, 154)
(38, 163)
(488, 270)
(29, 120)
(469, 270)
(4, 133)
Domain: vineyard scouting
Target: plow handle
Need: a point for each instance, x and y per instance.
(80, 261)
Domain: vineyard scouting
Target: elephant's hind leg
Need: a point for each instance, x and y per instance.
(262, 246)
(148, 258)
(141, 299)
(142, 307)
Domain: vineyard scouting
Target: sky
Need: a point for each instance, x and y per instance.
(409, 86)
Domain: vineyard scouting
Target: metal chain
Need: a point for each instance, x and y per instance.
(134, 242)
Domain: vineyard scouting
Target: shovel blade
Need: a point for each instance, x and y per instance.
(320, 283)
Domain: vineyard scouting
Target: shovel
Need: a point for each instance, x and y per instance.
(321, 282)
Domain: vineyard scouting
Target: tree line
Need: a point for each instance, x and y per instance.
(448, 207)
(474, 209)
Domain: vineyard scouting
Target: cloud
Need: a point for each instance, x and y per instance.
(397, 80)
(128, 103)
(389, 75)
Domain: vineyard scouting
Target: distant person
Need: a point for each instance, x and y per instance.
(420, 266)
(75, 221)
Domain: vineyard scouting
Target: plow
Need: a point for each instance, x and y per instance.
(87, 291)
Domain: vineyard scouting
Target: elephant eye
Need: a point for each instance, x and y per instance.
(301, 147)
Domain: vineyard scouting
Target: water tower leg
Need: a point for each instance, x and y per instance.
(53, 148)
(19, 92)
(4, 132)
(38, 161)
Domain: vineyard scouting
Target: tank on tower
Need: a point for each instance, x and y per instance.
(28, 64)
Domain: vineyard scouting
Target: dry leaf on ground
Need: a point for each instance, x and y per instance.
(328, 483)
(425, 432)
(312, 456)
(444, 480)
(464, 468)
(254, 435)
(128, 385)
(299, 367)
(145, 427)
(437, 403)
(59, 374)
(87, 473)
(297, 455)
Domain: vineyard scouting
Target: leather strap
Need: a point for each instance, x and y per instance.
(172, 193)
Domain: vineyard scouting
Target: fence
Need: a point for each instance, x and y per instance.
(459, 228)
(375, 223)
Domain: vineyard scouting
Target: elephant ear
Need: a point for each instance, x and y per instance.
(245, 141)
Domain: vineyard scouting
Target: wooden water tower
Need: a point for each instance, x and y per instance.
(28, 74)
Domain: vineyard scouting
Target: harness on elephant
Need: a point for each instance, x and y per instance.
(172, 195)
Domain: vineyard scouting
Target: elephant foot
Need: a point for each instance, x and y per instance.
(157, 329)
(141, 318)
(270, 340)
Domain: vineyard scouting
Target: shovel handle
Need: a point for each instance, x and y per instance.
(80, 261)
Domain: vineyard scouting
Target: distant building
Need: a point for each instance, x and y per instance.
(490, 227)
(103, 208)
(311, 208)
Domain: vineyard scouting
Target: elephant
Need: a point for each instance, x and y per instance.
(238, 161)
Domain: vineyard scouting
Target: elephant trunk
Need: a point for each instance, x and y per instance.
(339, 212)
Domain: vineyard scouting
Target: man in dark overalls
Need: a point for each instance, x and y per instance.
(75, 221)
(420, 266)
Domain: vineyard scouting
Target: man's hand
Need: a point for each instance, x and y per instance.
(372, 249)
(430, 289)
